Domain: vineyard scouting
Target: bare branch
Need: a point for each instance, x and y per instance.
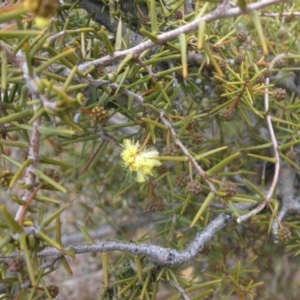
(193, 161)
(283, 14)
(136, 97)
(167, 36)
(179, 289)
(149, 71)
(159, 255)
(103, 16)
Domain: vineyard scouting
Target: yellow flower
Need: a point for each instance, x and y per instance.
(41, 22)
(43, 10)
(140, 161)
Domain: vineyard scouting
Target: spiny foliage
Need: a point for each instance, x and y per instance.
(97, 131)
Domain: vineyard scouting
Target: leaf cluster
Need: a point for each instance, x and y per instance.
(72, 92)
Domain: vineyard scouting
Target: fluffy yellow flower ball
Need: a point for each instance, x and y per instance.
(140, 161)
(43, 10)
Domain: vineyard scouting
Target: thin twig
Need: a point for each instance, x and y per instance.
(277, 157)
(31, 81)
(193, 161)
(10, 54)
(33, 151)
(167, 36)
(179, 289)
(63, 33)
(23, 209)
(29, 176)
(136, 97)
(282, 14)
(149, 71)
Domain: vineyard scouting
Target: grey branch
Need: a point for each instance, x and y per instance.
(160, 256)
(167, 36)
(102, 16)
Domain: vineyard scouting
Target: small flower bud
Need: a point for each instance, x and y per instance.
(284, 234)
(53, 174)
(171, 150)
(194, 188)
(282, 33)
(241, 36)
(197, 138)
(102, 51)
(178, 15)
(154, 206)
(280, 94)
(239, 59)
(5, 178)
(223, 65)
(162, 169)
(229, 188)
(261, 79)
(100, 115)
(192, 124)
(15, 265)
(181, 180)
(279, 63)
(291, 155)
(227, 115)
(53, 290)
(220, 89)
